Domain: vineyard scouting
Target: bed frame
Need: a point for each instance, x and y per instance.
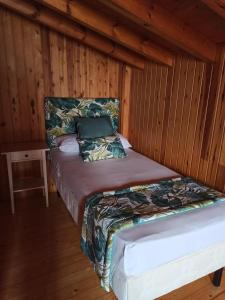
(194, 264)
(217, 277)
(157, 282)
(59, 115)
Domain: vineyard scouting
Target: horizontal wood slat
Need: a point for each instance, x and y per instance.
(154, 18)
(218, 6)
(73, 30)
(110, 27)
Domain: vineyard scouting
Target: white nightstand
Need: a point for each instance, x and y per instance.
(20, 152)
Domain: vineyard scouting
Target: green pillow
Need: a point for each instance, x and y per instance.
(94, 127)
(101, 148)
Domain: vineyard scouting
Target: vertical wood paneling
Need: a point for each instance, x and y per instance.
(36, 62)
(177, 117)
(219, 119)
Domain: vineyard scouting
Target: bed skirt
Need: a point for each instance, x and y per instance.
(170, 276)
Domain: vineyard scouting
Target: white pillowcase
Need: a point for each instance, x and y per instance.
(58, 140)
(68, 143)
(124, 141)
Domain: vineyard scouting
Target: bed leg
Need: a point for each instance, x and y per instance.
(58, 194)
(217, 277)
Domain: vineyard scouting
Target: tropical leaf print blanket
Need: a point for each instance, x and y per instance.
(108, 213)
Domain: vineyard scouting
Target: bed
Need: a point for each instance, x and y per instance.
(133, 273)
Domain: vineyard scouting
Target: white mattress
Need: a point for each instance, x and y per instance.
(149, 246)
(168, 277)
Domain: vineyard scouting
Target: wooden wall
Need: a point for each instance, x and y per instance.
(178, 114)
(36, 62)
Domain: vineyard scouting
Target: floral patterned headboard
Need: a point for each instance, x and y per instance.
(60, 113)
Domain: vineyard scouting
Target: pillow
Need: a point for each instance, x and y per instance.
(68, 143)
(124, 141)
(88, 128)
(59, 139)
(101, 148)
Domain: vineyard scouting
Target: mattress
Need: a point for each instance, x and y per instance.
(146, 250)
(76, 180)
(151, 245)
(168, 277)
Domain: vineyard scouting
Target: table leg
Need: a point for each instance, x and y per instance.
(45, 176)
(42, 175)
(9, 168)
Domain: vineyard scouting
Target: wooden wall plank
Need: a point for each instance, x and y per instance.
(39, 83)
(172, 112)
(125, 97)
(154, 102)
(187, 102)
(144, 129)
(194, 110)
(191, 118)
(30, 106)
(161, 111)
(10, 71)
(47, 74)
(194, 137)
(165, 119)
(146, 104)
(6, 122)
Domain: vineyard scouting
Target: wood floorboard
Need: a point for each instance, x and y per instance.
(40, 258)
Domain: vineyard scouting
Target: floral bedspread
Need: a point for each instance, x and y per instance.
(108, 213)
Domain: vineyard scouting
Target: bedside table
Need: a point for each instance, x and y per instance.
(20, 152)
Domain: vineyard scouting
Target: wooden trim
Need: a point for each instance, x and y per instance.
(125, 98)
(111, 28)
(217, 6)
(73, 30)
(157, 20)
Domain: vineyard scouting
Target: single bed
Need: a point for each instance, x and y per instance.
(140, 266)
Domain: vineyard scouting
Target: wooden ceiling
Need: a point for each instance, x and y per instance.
(134, 30)
(200, 15)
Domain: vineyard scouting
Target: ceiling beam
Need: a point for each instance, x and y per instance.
(69, 28)
(156, 19)
(218, 6)
(109, 27)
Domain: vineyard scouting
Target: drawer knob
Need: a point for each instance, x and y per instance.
(26, 155)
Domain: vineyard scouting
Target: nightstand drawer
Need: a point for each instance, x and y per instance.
(26, 155)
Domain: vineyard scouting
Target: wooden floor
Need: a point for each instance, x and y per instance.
(40, 258)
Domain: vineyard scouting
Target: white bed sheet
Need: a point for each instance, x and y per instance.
(76, 179)
(149, 246)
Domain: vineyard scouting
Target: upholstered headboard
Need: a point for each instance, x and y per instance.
(60, 113)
